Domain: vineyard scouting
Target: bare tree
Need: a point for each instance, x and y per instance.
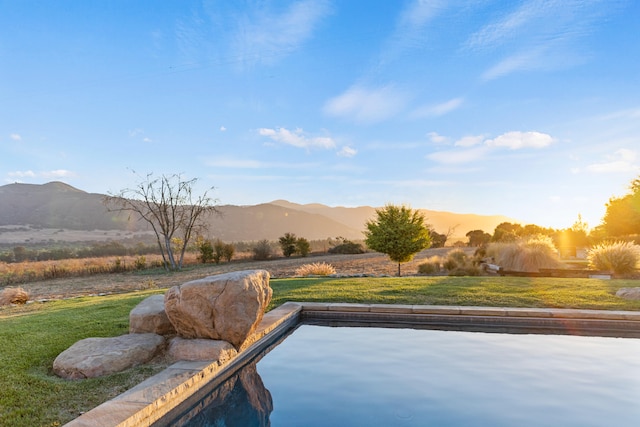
(168, 205)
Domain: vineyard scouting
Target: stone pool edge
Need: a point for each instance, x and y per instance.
(155, 397)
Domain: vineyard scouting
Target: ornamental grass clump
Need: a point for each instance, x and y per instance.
(315, 269)
(13, 296)
(431, 265)
(529, 254)
(616, 257)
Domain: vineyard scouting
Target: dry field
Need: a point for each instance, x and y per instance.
(369, 264)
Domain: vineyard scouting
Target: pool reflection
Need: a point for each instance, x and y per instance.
(241, 401)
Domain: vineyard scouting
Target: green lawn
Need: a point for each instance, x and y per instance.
(33, 335)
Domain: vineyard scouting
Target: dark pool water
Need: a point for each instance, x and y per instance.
(323, 376)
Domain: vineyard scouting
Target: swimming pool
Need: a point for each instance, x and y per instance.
(352, 376)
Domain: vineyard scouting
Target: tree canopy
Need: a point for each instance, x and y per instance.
(398, 231)
(622, 216)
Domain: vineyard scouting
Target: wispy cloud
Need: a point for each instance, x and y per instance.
(623, 160)
(347, 151)
(539, 34)
(367, 105)
(15, 137)
(297, 138)
(518, 140)
(263, 35)
(474, 148)
(409, 28)
(53, 174)
(438, 109)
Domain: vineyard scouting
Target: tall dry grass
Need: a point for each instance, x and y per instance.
(529, 254)
(31, 271)
(616, 257)
(13, 296)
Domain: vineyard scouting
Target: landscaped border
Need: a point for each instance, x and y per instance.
(155, 397)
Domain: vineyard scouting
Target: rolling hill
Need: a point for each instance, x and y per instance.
(57, 205)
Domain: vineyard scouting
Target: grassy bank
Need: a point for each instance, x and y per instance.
(32, 336)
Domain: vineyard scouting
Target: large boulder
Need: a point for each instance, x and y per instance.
(200, 349)
(95, 357)
(224, 307)
(149, 317)
(628, 293)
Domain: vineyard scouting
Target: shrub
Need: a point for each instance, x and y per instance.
(528, 254)
(457, 259)
(430, 266)
(262, 250)
(13, 296)
(140, 262)
(617, 257)
(228, 251)
(315, 269)
(303, 247)
(347, 248)
(288, 244)
(206, 251)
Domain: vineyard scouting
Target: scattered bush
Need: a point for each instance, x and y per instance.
(430, 266)
(140, 262)
(262, 251)
(303, 247)
(617, 257)
(13, 296)
(315, 269)
(347, 248)
(228, 250)
(527, 254)
(205, 247)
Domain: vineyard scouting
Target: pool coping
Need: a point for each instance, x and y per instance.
(155, 397)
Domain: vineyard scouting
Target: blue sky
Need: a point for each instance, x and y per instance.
(529, 109)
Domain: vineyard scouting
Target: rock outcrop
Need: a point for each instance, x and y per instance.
(629, 293)
(95, 357)
(224, 307)
(149, 317)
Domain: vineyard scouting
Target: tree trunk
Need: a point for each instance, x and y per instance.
(398, 269)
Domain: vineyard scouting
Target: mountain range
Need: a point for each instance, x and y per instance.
(57, 205)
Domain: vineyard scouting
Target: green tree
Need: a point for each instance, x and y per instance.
(507, 232)
(622, 216)
(303, 247)
(288, 244)
(478, 238)
(206, 250)
(398, 231)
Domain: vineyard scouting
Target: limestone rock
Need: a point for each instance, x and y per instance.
(629, 293)
(149, 317)
(224, 307)
(95, 357)
(200, 349)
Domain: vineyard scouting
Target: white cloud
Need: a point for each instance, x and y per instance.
(146, 139)
(223, 129)
(265, 36)
(475, 147)
(367, 105)
(438, 109)
(517, 140)
(437, 138)
(15, 137)
(22, 174)
(622, 160)
(469, 141)
(347, 151)
(297, 138)
(53, 174)
(135, 132)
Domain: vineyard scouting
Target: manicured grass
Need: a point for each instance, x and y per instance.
(33, 335)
